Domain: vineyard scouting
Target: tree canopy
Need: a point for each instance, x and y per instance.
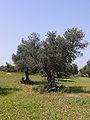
(52, 55)
(26, 57)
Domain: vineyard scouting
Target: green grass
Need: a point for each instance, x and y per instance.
(21, 102)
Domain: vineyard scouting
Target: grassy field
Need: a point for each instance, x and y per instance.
(21, 102)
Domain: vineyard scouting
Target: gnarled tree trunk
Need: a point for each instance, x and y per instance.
(89, 75)
(27, 74)
(50, 79)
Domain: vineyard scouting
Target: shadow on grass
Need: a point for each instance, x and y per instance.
(41, 86)
(6, 91)
(74, 89)
(38, 82)
(71, 89)
(30, 82)
(64, 80)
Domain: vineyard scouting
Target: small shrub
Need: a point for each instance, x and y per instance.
(40, 88)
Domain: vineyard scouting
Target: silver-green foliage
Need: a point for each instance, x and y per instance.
(53, 54)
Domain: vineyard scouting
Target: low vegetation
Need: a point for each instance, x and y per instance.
(20, 102)
(85, 71)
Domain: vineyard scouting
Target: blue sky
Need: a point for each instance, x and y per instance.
(19, 18)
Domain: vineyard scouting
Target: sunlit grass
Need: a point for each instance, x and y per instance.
(20, 102)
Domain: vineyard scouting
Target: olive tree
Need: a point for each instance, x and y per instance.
(26, 57)
(59, 51)
(52, 55)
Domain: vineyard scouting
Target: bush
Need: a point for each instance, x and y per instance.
(40, 88)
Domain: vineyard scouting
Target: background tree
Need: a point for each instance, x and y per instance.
(85, 71)
(2, 68)
(88, 68)
(8, 68)
(71, 69)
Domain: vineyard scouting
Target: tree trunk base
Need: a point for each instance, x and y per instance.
(55, 88)
(24, 81)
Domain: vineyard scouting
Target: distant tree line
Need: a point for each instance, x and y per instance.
(85, 71)
(53, 55)
(71, 69)
(8, 68)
